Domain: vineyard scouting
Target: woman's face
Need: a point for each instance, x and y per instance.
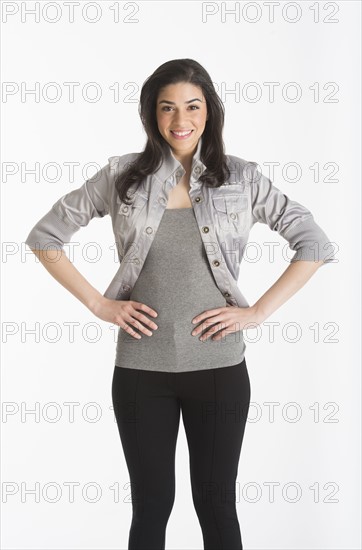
(181, 108)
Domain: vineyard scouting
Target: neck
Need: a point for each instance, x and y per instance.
(185, 158)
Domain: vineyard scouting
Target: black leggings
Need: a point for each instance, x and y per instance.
(214, 405)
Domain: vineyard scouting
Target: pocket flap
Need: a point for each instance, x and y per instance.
(236, 203)
(231, 203)
(138, 200)
(219, 203)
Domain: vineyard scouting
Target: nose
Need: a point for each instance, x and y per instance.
(179, 118)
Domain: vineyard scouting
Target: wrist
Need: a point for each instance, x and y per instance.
(258, 313)
(95, 303)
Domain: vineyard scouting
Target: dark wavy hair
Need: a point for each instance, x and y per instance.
(212, 151)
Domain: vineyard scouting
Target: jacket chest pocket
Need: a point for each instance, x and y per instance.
(231, 212)
(128, 213)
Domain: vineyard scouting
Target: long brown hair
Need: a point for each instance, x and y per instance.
(212, 151)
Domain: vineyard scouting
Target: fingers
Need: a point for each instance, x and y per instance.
(206, 324)
(216, 328)
(206, 314)
(143, 307)
(129, 330)
(220, 335)
(134, 317)
(139, 326)
(136, 314)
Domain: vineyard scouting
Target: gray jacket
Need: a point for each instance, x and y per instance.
(224, 215)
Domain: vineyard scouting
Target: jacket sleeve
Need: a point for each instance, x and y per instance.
(74, 210)
(293, 221)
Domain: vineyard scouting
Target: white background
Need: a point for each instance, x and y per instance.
(320, 453)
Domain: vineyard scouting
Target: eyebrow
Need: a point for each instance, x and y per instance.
(173, 103)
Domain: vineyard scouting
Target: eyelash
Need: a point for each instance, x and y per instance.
(168, 107)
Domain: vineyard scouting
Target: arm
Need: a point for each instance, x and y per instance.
(295, 223)
(238, 318)
(47, 238)
(63, 271)
(67, 215)
(293, 279)
(120, 312)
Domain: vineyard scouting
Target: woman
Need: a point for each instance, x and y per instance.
(180, 237)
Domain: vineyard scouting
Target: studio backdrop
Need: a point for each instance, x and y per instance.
(288, 74)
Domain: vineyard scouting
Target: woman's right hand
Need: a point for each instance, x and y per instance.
(125, 313)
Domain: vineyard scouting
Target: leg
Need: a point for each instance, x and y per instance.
(215, 406)
(147, 415)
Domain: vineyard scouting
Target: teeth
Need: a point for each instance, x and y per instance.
(182, 133)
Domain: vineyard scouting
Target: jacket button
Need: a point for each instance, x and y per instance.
(197, 199)
(126, 287)
(205, 229)
(197, 170)
(227, 295)
(216, 263)
(149, 230)
(125, 208)
(233, 216)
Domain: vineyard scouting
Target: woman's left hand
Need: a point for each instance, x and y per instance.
(228, 319)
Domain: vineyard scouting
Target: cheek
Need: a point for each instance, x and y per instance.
(159, 117)
(200, 119)
(162, 121)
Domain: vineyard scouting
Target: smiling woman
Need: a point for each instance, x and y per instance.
(182, 121)
(180, 240)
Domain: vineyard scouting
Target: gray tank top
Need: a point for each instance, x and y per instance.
(176, 281)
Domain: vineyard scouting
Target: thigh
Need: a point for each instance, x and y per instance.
(147, 415)
(215, 406)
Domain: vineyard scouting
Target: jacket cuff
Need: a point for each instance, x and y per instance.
(310, 242)
(50, 233)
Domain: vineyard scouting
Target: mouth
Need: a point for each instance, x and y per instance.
(182, 134)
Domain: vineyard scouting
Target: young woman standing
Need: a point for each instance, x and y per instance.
(175, 296)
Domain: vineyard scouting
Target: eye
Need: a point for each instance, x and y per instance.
(168, 107)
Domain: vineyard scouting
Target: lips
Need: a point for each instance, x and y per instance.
(182, 134)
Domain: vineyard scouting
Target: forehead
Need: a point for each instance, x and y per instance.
(181, 89)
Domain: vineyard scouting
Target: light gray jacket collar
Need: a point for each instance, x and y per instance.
(170, 164)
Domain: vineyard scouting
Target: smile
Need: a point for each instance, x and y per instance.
(181, 135)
